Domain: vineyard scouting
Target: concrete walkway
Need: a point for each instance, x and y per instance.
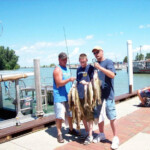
(132, 125)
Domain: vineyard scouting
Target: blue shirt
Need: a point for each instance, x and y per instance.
(107, 87)
(84, 74)
(61, 93)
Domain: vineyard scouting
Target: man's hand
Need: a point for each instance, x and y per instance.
(107, 72)
(72, 79)
(96, 65)
(84, 82)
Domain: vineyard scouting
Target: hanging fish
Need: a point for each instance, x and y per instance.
(96, 88)
(90, 95)
(70, 99)
(86, 96)
(75, 106)
(78, 109)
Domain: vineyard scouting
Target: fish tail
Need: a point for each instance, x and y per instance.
(86, 105)
(99, 101)
(96, 121)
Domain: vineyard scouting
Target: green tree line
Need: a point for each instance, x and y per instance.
(8, 59)
(138, 57)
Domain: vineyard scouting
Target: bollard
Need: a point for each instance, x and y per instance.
(130, 66)
(19, 114)
(1, 97)
(18, 121)
(39, 110)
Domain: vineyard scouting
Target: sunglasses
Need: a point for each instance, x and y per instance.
(95, 53)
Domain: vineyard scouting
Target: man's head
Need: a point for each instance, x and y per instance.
(83, 60)
(98, 53)
(62, 59)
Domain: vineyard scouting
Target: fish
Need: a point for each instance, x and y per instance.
(75, 106)
(96, 88)
(86, 96)
(90, 95)
(70, 99)
(78, 109)
(73, 94)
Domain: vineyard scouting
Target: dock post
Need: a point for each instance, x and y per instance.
(1, 97)
(19, 113)
(130, 65)
(39, 110)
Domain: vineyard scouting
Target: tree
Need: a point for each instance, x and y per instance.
(147, 56)
(8, 59)
(125, 59)
(52, 65)
(139, 57)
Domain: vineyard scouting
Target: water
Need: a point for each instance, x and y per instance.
(120, 84)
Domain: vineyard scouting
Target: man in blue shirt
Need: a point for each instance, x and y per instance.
(61, 87)
(106, 72)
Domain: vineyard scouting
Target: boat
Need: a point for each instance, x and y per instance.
(142, 66)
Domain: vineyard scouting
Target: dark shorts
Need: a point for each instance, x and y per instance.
(88, 114)
(145, 93)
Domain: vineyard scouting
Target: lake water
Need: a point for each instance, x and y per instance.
(120, 84)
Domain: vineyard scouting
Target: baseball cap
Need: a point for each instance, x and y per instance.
(62, 55)
(97, 48)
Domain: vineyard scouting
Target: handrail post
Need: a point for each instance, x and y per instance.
(39, 110)
(1, 97)
(130, 66)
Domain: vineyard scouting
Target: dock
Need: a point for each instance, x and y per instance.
(132, 125)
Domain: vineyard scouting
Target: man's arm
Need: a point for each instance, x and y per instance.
(58, 78)
(107, 72)
(146, 88)
(141, 98)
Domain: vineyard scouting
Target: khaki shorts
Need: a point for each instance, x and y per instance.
(61, 109)
(88, 115)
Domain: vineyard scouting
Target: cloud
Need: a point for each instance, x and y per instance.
(113, 56)
(148, 25)
(115, 34)
(40, 45)
(74, 52)
(145, 48)
(88, 37)
(121, 33)
(109, 34)
(144, 26)
(141, 26)
(47, 51)
(78, 42)
(74, 55)
(100, 42)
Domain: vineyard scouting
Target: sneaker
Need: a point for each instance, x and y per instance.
(60, 138)
(73, 132)
(115, 142)
(99, 137)
(88, 140)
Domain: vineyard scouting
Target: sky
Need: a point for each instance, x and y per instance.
(35, 28)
